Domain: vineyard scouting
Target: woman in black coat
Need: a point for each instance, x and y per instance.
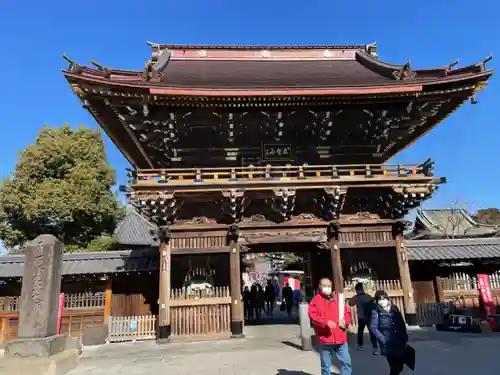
(388, 326)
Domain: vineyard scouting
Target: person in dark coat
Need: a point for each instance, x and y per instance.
(270, 297)
(388, 326)
(364, 306)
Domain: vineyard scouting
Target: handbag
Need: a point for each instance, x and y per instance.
(409, 357)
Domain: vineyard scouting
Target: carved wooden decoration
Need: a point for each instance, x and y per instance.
(233, 205)
(330, 204)
(283, 203)
(159, 208)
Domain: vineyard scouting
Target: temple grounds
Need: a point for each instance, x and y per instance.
(272, 350)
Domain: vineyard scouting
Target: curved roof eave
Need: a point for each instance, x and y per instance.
(402, 86)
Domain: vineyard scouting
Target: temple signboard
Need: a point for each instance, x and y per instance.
(276, 152)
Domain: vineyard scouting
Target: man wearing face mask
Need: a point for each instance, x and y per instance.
(388, 326)
(330, 329)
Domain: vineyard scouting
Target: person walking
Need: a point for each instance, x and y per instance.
(270, 297)
(330, 329)
(364, 306)
(388, 326)
(287, 298)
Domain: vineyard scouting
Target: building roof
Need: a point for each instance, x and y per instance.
(449, 223)
(135, 230)
(141, 260)
(456, 249)
(234, 70)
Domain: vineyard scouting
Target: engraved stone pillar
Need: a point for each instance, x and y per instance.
(38, 349)
(41, 287)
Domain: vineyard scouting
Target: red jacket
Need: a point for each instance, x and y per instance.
(321, 310)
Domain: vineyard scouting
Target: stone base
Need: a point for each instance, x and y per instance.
(39, 347)
(95, 335)
(58, 364)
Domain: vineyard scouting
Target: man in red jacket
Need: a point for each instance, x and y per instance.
(330, 329)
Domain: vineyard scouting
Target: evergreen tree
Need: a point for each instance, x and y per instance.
(62, 185)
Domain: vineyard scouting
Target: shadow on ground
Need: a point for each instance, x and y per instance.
(292, 372)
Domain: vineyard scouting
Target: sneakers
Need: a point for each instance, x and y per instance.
(375, 352)
(359, 348)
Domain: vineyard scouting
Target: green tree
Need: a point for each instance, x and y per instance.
(62, 185)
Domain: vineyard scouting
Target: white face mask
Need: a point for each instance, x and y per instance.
(326, 290)
(384, 303)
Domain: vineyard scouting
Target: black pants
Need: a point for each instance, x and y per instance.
(396, 365)
(362, 324)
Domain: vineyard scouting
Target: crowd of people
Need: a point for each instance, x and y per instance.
(258, 300)
(386, 325)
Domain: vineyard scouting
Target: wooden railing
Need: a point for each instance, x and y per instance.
(200, 314)
(131, 328)
(391, 287)
(9, 304)
(464, 282)
(84, 300)
(277, 173)
(71, 301)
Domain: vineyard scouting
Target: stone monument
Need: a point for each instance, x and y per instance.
(38, 348)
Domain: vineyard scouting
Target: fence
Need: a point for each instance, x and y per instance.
(131, 328)
(200, 314)
(429, 314)
(462, 291)
(391, 287)
(71, 301)
(80, 310)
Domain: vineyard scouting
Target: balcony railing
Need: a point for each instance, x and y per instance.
(270, 173)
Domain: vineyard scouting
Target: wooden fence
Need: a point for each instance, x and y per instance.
(462, 290)
(200, 315)
(131, 328)
(80, 310)
(429, 314)
(392, 287)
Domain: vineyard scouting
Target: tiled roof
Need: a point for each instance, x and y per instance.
(456, 249)
(90, 263)
(135, 230)
(442, 223)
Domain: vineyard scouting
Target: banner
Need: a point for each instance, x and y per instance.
(485, 290)
(59, 312)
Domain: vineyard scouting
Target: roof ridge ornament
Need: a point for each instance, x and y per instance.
(404, 72)
(482, 64)
(101, 68)
(74, 67)
(453, 64)
(372, 49)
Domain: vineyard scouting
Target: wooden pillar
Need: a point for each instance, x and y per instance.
(235, 276)
(404, 274)
(107, 302)
(164, 328)
(438, 289)
(4, 331)
(334, 245)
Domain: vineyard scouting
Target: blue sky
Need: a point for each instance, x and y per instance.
(33, 35)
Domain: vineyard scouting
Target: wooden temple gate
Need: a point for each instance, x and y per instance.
(223, 160)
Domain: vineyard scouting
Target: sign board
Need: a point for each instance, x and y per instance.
(276, 152)
(247, 161)
(133, 325)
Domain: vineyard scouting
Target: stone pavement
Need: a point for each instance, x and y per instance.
(271, 350)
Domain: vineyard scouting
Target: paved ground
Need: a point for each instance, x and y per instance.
(270, 350)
